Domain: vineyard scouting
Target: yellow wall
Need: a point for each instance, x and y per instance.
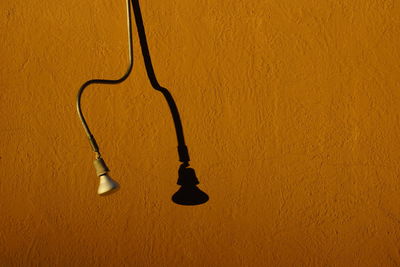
(290, 111)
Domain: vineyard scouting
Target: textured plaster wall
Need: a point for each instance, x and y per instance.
(290, 111)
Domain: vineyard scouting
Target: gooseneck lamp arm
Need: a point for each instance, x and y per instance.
(92, 140)
(182, 148)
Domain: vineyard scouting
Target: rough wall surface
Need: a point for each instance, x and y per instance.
(290, 111)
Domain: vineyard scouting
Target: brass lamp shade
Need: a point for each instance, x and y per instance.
(107, 185)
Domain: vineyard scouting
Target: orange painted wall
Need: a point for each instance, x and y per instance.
(291, 113)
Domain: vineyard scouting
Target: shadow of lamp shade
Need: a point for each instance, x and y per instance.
(189, 193)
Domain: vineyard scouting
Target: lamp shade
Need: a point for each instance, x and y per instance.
(107, 185)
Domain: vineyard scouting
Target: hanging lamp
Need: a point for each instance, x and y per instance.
(188, 193)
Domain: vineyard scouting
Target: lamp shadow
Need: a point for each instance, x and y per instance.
(189, 193)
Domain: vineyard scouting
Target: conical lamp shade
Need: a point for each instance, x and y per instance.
(107, 185)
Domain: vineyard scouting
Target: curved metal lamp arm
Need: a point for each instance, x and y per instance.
(182, 149)
(92, 140)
